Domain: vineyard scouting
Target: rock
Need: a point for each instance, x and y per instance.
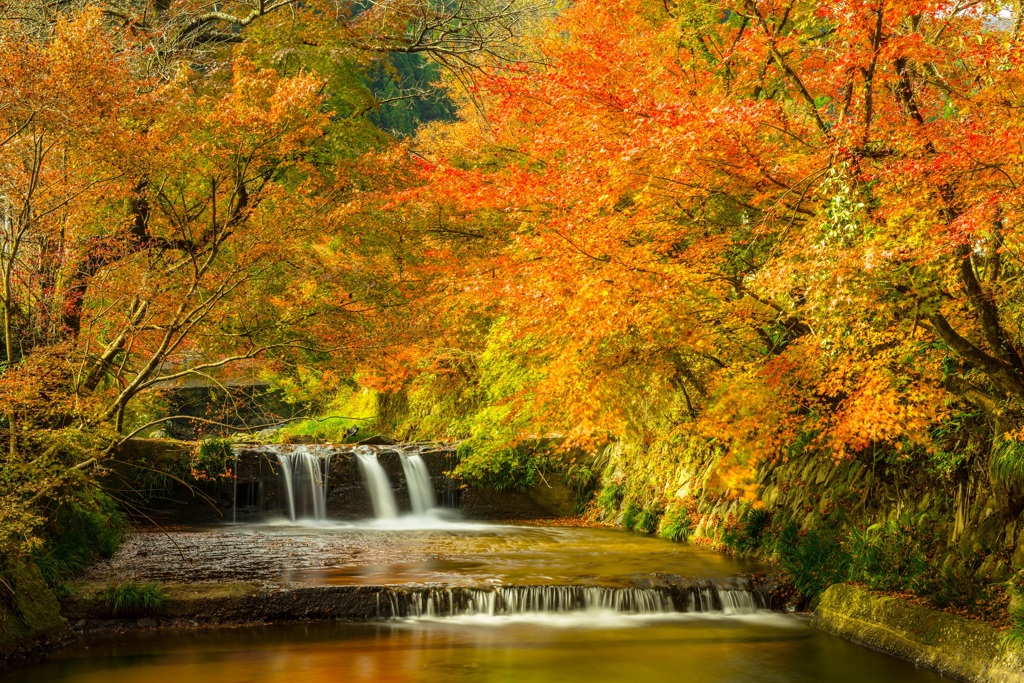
(378, 440)
(146, 623)
(29, 615)
(268, 433)
(1018, 555)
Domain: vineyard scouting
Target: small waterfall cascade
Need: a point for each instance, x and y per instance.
(379, 485)
(529, 600)
(417, 477)
(304, 482)
(291, 481)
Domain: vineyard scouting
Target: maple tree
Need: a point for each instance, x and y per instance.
(770, 223)
(171, 175)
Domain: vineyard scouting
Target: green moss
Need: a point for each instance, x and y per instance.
(28, 609)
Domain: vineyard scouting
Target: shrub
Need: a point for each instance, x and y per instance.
(510, 469)
(134, 599)
(647, 521)
(745, 534)
(643, 519)
(814, 559)
(957, 584)
(213, 458)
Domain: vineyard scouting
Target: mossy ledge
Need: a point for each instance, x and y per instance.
(963, 649)
(30, 617)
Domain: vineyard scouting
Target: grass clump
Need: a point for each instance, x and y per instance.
(610, 497)
(676, 524)
(1014, 636)
(642, 519)
(134, 599)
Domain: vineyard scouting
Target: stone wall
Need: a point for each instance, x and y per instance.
(964, 649)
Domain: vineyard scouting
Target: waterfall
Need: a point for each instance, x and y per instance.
(304, 475)
(286, 477)
(301, 474)
(529, 600)
(384, 506)
(417, 477)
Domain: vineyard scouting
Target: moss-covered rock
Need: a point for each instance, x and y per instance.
(964, 649)
(29, 612)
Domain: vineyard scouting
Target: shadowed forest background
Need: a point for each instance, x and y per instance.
(755, 267)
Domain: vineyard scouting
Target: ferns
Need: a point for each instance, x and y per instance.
(1007, 463)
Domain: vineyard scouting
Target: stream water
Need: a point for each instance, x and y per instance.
(764, 649)
(450, 600)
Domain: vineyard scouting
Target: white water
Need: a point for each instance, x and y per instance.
(421, 491)
(304, 474)
(286, 472)
(379, 485)
(571, 606)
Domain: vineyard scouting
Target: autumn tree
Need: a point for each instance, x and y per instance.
(764, 221)
(172, 172)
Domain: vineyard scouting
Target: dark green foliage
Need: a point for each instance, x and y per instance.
(956, 584)
(643, 519)
(815, 559)
(212, 459)
(134, 599)
(510, 469)
(675, 525)
(630, 514)
(744, 535)
(647, 521)
(84, 529)
(890, 556)
(405, 74)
